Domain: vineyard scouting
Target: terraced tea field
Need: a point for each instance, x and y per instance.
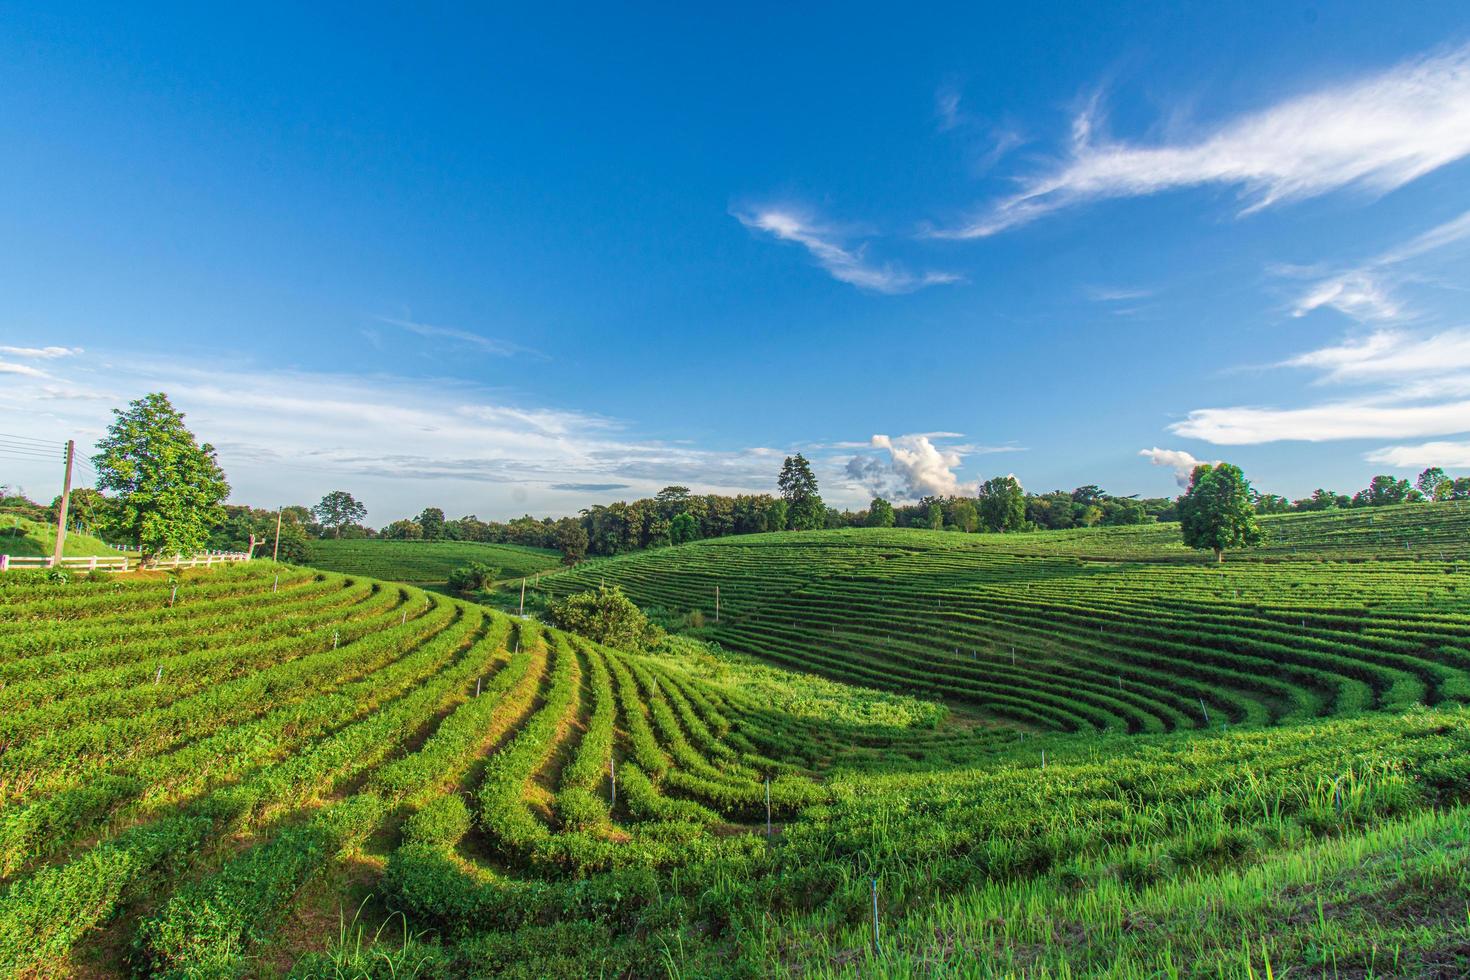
(426, 562)
(1037, 633)
(267, 771)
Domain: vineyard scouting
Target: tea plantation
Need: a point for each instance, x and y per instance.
(1257, 769)
(426, 562)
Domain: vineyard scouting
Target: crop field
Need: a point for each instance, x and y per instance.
(426, 562)
(1038, 636)
(264, 770)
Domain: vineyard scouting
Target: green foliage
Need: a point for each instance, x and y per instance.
(339, 509)
(431, 523)
(1002, 504)
(605, 616)
(168, 488)
(683, 529)
(1383, 491)
(880, 513)
(1215, 513)
(471, 578)
(425, 562)
(804, 508)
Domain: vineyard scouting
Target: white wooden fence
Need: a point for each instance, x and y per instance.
(118, 563)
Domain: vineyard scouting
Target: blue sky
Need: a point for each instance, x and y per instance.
(497, 261)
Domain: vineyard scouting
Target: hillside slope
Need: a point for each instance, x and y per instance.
(1039, 631)
(200, 783)
(21, 536)
(426, 562)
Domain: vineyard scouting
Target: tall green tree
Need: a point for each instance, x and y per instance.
(683, 529)
(1432, 483)
(571, 537)
(1002, 504)
(804, 508)
(432, 522)
(338, 509)
(1216, 512)
(168, 488)
(1382, 491)
(880, 513)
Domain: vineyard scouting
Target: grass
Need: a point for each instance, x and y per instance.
(23, 537)
(427, 562)
(279, 771)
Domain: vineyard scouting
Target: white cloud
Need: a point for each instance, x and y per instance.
(915, 468)
(40, 353)
(849, 265)
(1367, 292)
(488, 345)
(398, 443)
(1451, 454)
(1367, 418)
(1388, 354)
(25, 370)
(1376, 133)
(1407, 385)
(1177, 460)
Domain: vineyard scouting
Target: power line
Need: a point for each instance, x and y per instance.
(20, 438)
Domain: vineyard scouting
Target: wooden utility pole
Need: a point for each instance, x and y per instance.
(276, 551)
(71, 455)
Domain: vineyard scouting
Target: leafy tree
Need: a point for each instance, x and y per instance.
(338, 509)
(471, 578)
(934, 516)
(168, 488)
(1384, 490)
(683, 529)
(805, 510)
(432, 522)
(1088, 495)
(404, 530)
(963, 515)
(1429, 482)
(1003, 504)
(1271, 503)
(776, 515)
(571, 538)
(1089, 516)
(672, 495)
(87, 508)
(605, 616)
(1460, 489)
(1215, 513)
(880, 513)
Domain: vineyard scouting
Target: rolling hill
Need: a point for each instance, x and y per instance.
(279, 771)
(426, 562)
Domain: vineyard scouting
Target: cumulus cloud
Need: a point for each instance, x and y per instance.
(914, 467)
(843, 263)
(1375, 133)
(1180, 462)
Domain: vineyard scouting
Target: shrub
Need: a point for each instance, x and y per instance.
(605, 616)
(472, 577)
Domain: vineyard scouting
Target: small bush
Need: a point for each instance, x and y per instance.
(472, 578)
(605, 616)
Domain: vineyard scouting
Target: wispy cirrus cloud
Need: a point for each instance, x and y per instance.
(1367, 291)
(40, 353)
(842, 262)
(487, 345)
(1406, 384)
(1375, 133)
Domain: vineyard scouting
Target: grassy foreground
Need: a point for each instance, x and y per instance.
(283, 772)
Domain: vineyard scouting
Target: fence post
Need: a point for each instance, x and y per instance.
(4, 563)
